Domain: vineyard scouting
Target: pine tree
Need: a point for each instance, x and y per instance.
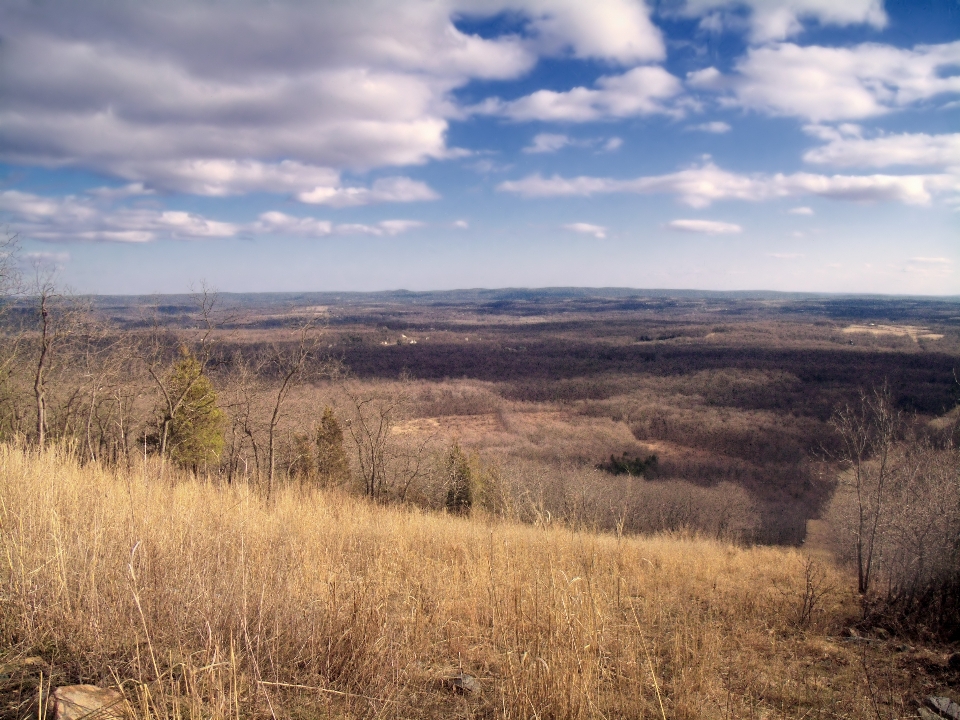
(332, 466)
(196, 426)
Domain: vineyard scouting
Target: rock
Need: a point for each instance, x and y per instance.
(89, 702)
(466, 684)
(945, 706)
(953, 662)
(927, 714)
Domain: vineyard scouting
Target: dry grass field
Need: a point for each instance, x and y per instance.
(202, 600)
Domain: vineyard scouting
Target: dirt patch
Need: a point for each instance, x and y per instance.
(914, 332)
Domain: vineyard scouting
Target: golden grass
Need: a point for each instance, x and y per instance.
(205, 601)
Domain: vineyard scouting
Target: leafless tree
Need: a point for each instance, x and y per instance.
(388, 463)
(868, 433)
(287, 364)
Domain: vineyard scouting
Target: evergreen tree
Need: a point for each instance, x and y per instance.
(332, 467)
(459, 481)
(195, 435)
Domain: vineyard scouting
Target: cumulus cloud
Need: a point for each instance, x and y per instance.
(779, 19)
(547, 143)
(700, 186)
(76, 218)
(598, 231)
(717, 127)
(803, 210)
(164, 94)
(832, 84)
(385, 227)
(613, 144)
(705, 227)
(281, 223)
(641, 91)
(225, 177)
(461, 224)
(921, 149)
(83, 218)
(392, 189)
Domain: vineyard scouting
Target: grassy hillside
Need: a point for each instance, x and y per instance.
(203, 600)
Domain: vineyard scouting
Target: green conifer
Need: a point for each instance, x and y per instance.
(196, 428)
(332, 467)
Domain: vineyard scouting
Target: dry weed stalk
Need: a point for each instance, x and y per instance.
(207, 601)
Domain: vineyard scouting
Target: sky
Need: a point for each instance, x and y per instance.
(336, 145)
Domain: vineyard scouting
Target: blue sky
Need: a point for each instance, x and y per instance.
(800, 145)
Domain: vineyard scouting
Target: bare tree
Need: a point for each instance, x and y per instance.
(287, 364)
(387, 462)
(868, 432)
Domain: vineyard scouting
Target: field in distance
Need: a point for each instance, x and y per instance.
(730, 391)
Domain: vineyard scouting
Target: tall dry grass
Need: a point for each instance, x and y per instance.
(205, 601)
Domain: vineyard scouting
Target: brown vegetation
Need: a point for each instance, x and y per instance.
(203, 600)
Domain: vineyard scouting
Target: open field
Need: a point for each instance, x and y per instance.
(209, 602)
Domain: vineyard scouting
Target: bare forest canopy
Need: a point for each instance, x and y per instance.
(731, 393)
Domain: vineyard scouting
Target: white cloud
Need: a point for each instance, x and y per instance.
(700, 186)
(786, 256)
(538, 186)
(551, 142)
(166, 95)
(75, 218)
(119, 193)
(830, 84)
(717, 127)
(640, 91)
(385, 227)
(222, 177)
(395, 227)
(932, 260)
(275, 222)
(941, 151)
(617, 30)
(278, 222)
(803, 210)
(706, 227)
(461, 224)
(547, 143)
(392, 189)
(779, 19)
(598, 231)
